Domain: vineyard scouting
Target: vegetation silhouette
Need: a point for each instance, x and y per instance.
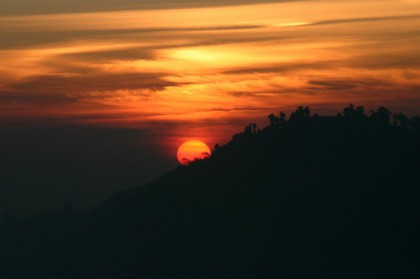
(311, 197)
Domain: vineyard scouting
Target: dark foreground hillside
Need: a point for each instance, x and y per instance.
(312, 197)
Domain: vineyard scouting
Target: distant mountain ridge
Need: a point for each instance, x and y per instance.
(307, 197)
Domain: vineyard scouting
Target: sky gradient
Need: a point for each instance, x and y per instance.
(162, 73)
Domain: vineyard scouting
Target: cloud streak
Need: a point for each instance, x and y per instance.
(17, 7)
(366, 19)
(185, 63)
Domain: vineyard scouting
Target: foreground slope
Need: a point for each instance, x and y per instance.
(310, 197)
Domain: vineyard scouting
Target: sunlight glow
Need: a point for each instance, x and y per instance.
(220, 62)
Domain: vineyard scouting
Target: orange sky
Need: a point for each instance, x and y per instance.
(97, 96)
(211, 65)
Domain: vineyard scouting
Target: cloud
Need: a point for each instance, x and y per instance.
(365, 19)
(18, 7)
(49, 93)
(88, 82)
(335, 85)
(170, 64)
(283, 68)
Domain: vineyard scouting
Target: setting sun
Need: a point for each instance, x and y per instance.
(295, 125)
(192, 150)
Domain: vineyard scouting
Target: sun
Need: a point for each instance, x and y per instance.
(192, 150)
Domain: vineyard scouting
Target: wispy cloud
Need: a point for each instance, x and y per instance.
(366, 19)
(49, 6)
(201, 63)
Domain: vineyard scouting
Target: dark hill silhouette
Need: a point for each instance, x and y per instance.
(312, 197)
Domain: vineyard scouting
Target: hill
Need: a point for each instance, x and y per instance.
(312, 196)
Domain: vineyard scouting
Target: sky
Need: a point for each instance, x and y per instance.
(96, 96)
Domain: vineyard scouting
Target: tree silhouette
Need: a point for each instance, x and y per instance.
(205, 155)
(402, 120)
(282, 117)
(381, 116)
(274, 120)
(349, 111)
(250, 129)
(354, 113)
(254, 128)
(300, 113)
(334, 198)
(185, 161)
(415, 123)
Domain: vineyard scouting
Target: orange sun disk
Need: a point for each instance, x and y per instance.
(192, 150)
